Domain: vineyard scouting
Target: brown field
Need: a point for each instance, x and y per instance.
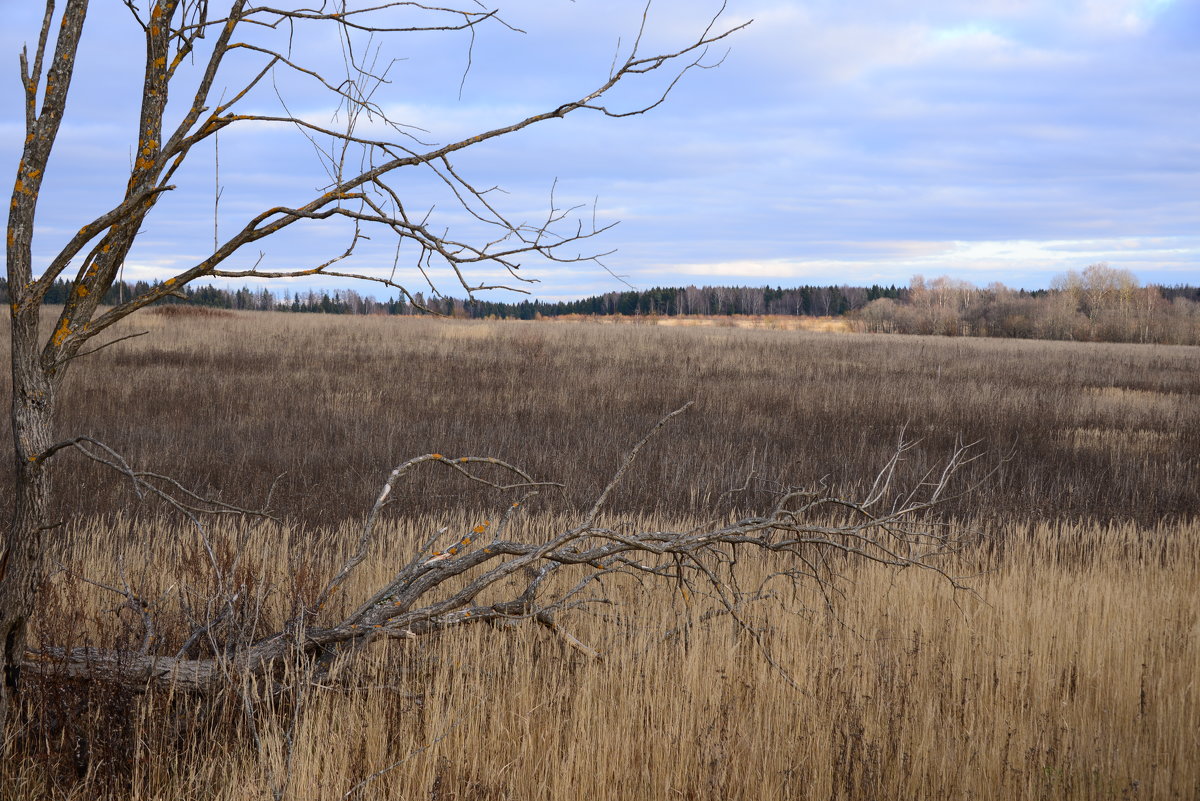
(770, 322)
(316, 407)
(1067, 672)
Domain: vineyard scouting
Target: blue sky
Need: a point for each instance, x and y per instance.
(859, 143)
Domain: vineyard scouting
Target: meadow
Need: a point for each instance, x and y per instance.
(1066, 671)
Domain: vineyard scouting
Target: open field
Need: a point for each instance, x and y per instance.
(1068, 672)
(318, 406)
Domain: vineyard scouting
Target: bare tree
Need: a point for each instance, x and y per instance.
(187, 45)
(495, 575)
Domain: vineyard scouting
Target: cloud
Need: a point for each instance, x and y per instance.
(1013, 262)
(865, 140)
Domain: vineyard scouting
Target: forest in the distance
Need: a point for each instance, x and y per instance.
(1099, 304)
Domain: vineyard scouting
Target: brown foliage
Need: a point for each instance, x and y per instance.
(179, 310)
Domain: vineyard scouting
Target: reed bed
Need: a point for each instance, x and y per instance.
(1067, 671)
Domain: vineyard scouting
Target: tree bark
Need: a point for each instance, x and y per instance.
(34, 378)
(22, 567)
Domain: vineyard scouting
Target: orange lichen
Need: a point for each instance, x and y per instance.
(60, 336)
(81, 291)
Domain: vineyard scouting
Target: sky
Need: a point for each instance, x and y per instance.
(836, 143)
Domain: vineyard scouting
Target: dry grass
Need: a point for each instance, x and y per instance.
(233, 403)
(771, 322)
(1069, 674)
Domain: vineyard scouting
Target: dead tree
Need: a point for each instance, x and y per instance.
(495, 575)
(197, 32)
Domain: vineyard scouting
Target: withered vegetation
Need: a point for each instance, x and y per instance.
(1066, 672)
(315, 407)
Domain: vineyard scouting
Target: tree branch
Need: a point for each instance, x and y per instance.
(437, 588)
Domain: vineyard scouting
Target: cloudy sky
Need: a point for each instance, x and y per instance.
(859, 143)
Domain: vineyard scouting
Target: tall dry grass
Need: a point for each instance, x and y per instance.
(1069, 673)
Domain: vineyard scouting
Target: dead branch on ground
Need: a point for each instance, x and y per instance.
(493, 575)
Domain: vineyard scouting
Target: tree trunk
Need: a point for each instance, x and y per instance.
(22, 565)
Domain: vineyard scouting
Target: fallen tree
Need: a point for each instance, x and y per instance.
(816, 537)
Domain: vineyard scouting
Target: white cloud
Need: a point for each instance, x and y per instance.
(1013, 262)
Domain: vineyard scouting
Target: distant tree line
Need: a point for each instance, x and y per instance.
(1100, 303)
(815, 301)
(811, 301)
(341, 301)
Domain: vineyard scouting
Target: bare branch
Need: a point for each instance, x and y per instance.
(532, 239)
(437, 588)
(99, 348)
(629, 457)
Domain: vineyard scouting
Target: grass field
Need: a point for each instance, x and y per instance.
(1067, 672)
(317, 406)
